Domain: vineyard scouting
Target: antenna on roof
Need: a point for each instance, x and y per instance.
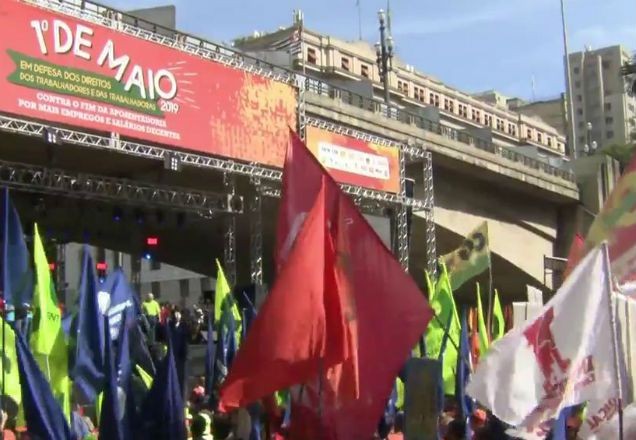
(388, 16)
(359, 19)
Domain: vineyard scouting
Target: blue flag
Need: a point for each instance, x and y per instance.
(163, 410)
(17, 276)
(560, 427)
(226, 346)
(122, 298)
(110, 421)
(210, 356)
(89, 370)
(43, 414)
(462, 375)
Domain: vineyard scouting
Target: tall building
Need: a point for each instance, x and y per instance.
(351, 70)
(603, 111)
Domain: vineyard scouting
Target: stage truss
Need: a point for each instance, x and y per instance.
(263, 180)
(43, 180)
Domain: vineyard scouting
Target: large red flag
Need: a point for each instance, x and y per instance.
(385, 313)
(300, 327)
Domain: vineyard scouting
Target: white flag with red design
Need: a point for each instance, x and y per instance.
(561, 358)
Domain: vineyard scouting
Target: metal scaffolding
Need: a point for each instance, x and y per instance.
(58, 182)
(264, 181)
(229, 248)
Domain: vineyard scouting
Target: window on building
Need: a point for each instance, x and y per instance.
(577, 70)
(579, 98)
(577, 84)
(312, 58)
(609, 120)
(549, 141)
(475, 115)
(345, 63)
(418, 94)
(529, 133)
(403, 87)
(539, 138)
(630, 107)
(582, 139)
(463, 110)
(449, 105)
(609, 134)
(579, 111)
(500, 125)
(581, 125)
(608, 106)
(488, 120)
(606, 64)
(155, 287)
(433, 99)
(512, 129)
(364, 70)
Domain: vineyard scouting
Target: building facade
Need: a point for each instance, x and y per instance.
(352, 65)
(604, 114)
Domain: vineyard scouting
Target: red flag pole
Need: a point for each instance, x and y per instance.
(612, 314)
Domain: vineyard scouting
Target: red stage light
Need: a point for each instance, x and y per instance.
(102, 266)
(152, 241)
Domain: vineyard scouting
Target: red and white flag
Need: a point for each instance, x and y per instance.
(561, 358)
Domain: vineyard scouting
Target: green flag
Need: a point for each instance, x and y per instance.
(444, 306)
(470, 259)
(145, 377)
(9, 364)
(481, 326)
(47, 339)
(499, 323)
(223, 296)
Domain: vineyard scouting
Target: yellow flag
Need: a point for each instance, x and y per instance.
(470, 259)
(146, 378)
(499, 322)
(223, 296)
(47, 339)
(481, 326)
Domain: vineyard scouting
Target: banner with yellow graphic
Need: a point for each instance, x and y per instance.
(470, 259)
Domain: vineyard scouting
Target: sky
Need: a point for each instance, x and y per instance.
(506, 45)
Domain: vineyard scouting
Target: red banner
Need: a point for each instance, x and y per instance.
(60, 69)
(355, 161)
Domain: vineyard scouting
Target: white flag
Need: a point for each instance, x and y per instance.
(560, 358)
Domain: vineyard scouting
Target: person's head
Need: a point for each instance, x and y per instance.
(201, 424)
(456, 430)
(149, 296)
(176, 315)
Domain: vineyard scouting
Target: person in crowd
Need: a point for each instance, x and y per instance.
(201, 427)
(79, 426)
(456, 430)
(151, 311)
(180, 338)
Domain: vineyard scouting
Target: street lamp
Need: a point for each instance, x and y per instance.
(590, 146)
(384, 54)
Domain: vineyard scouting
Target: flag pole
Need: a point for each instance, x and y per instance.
(612, 315)
(490, 299)
(359, 20)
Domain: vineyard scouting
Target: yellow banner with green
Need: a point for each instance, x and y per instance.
(470, 259)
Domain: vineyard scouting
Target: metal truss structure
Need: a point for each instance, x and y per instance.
(264, 180)
(229, 248)
(115, 144)
(81, 185)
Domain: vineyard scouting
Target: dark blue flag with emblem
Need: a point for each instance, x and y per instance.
(111, 416)
(89, 370)
(226, 346)
(17, 276)
(163, 416)
(462, 376)
(43, 414)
